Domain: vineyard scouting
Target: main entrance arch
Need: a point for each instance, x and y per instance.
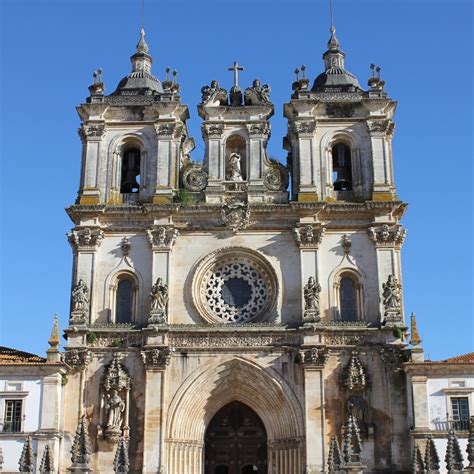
(235, 442)
(232, 379)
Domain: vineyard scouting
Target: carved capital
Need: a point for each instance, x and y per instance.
(85, 239)
(387, 236)
(93, 131)
(314, 357)
(169, 130)
(212, 130)
(309, 236)
(161, 237)
(305, 128)
(157, 358)
(77, 359)
(257, 130)
(381, 127)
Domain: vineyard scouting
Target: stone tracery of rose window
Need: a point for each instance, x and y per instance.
(235, 288)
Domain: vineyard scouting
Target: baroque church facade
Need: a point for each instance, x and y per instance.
(221, 323)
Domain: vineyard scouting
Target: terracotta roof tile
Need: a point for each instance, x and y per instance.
(461, 359)
(10, 356)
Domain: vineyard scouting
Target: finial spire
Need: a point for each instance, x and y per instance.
(415, 339)
(53, 354)
(142, 46)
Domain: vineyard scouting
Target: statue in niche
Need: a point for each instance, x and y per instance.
(257, 94)
(115, 407)
(311, 294)
(80, 297)
(159, 300)
(391, 294)
(235, 172)
(213, 95)
(311, 300)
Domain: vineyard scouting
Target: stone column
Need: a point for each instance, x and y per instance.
(286, 456)
(314, 359)
(420, 402)
(91, 135)
(380, 134)
(155, 360)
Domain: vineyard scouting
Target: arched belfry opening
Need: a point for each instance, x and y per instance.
(341, 167)
(235, 442)
(236, 158)
(130, 173)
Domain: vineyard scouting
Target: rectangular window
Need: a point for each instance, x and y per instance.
(13, 414)
(460, 412)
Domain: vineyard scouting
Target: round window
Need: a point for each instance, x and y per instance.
(235, 286)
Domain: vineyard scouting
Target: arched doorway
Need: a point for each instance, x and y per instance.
(236, 442)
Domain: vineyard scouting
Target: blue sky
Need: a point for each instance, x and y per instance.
(50, 49)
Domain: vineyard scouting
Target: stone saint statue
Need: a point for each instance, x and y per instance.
(391, 293)
(80, 297)
(234, 167)
(115, 408)
(159, 296)
(213, 95)
(311, 295)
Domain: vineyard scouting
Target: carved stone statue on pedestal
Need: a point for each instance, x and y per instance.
(311, 301)
(159, 300)
(80, 303)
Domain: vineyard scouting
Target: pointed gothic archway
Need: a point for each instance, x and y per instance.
(235, 442)
(236, 379)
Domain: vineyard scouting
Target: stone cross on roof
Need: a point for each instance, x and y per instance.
(236, 68)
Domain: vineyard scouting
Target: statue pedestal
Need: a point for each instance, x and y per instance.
(393, 319)
(311, 316)
(78, 316)
(157, 316)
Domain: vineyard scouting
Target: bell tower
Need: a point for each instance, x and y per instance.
(339, 139)
(236, 130)
(133, 139)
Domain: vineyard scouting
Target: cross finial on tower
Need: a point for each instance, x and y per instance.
(236, 68)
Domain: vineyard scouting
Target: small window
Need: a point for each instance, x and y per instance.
(130, 176)
(341, 167)
(348, 299)
(13, 416)
(14, 387)
(125, 300)
(460, 413)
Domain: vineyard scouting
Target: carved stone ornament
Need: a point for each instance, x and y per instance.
(80, 303)
(157, 358)
(417, 463)
(125, 246)
(352, 446)
(305, 127)
(80, 450)
(261, 129)
(121, 459)
(218, 341)
(392, 301)
(236, 216)
(387, 236)
(115, 399)
(346, 244)
(276, 178)
(162, 237)
(311, 292)
(77, 359)
(354, 377)
(169, 129)
(47, 462)
(309, 236)
(453, 458)
(314, 357)
(335, 455)
(92, 131)
(257, 94)
(194, 177)
(27, 461)
(85, 239)
(158, 303)
(212, 130)
(213, 95)
(381, 127)
(338, 110)
(431, 456)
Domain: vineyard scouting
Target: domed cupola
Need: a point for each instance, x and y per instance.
(140, 81)
(335, 77)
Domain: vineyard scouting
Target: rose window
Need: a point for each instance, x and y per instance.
(235, 288)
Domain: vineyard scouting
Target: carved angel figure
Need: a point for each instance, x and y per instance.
(213, 95)
(115, 407)
(159, 295)
(80, 297)
(257, 94)
(311, 295)
(391, 293)
(235, 173)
